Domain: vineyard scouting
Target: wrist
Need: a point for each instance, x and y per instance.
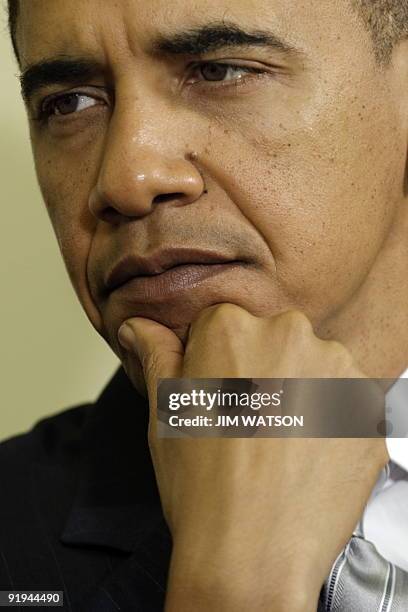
(233, 587)
(184, 596)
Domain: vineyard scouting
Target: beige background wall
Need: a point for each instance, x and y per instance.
(50, 356)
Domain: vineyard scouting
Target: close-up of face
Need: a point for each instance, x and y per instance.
(241, 151)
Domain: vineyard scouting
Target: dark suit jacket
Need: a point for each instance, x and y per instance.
(79, 507)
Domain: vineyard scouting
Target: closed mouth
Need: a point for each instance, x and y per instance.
(138, 267)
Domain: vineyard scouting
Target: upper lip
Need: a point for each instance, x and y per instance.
(132, 266)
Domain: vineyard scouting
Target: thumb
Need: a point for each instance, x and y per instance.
(159, 350)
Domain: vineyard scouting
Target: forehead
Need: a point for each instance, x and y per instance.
(92, 27)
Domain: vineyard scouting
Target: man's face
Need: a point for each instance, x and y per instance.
(283, 157)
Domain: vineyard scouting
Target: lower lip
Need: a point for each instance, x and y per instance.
(160, 287)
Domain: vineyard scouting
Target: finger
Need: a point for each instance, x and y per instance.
(158, 349)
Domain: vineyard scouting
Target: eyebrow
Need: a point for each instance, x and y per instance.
(195, 41)
(57, 71)
(218, 35)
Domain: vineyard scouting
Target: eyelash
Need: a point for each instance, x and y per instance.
(248, 70)
(46, 108)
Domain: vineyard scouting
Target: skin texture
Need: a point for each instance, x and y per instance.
(299, 173)
(284, 172)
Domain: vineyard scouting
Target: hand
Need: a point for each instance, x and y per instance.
(256, 523)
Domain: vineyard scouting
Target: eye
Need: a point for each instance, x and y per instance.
(67, 104)
(216, 72)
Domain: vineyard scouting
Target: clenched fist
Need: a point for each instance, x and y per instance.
(256, 523)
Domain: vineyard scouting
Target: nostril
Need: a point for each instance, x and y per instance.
(168, 197)
(110, 215)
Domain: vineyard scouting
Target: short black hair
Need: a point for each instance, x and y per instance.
(387, 20)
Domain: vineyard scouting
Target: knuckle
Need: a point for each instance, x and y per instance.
(296, 321)
(205, 315)
(339, 352)
(221, 314)
(218, 326)
(336, 348)
(227, 311)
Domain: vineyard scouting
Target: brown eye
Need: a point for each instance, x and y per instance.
(67, 104)
(214, 72)
(222, 72)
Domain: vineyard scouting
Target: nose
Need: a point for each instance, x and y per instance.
(142, 166)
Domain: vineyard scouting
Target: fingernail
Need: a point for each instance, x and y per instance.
(126, 337)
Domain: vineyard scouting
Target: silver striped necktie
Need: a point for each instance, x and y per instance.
(361, 580)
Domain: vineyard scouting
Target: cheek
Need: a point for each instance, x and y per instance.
(321, 196)
(65, 191)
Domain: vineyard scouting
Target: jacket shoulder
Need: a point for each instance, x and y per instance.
(38, 475)
(54, 439)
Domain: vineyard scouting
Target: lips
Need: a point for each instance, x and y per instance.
(133, 267)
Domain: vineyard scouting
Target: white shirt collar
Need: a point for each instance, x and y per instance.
(397, 405)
